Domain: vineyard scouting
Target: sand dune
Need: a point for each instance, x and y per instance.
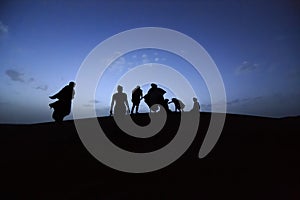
(255, 158)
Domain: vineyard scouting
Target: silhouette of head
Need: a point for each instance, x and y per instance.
(137, 87)
(72, 84)
(195, 99)
(120, 88)
(153, 85)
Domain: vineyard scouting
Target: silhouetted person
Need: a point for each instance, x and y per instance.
(119, 102)
(196, 106)
(155, 95)
(166, 105)
(179, 105)
(62, 107)
(136, 96)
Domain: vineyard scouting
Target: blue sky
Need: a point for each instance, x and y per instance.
(255, 45)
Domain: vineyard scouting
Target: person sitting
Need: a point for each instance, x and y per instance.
(196, 106)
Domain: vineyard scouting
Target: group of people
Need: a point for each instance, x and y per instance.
(119, 103)
(154, 98)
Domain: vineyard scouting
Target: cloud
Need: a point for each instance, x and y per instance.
(90, 103)
(246, 66)
(94, 101)
(2, 103)
(31, 80)
(118, 65)
(243, 100)
(145, 59)
(87, 105)
(293, 73)
(15, 75)
(44, 87)
(272, 105)
(113, 58)
(3, 28)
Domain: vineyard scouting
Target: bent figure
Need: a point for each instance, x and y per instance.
(137, 95)
(179, 105)
(154, 96)
(62, 107)
(119, 103)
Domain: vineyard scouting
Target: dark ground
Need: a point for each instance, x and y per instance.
(255, 158)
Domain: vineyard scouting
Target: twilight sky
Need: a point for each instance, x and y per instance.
(254, 44)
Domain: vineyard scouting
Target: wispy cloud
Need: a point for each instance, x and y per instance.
(246, 67)
(94, 101)
(274, 105)
(243, 100)
(113, 58)
(31, 80)
(15, 75)
(2, 103)
(44, 87)
(118, 65)
(18, 76)
(3, 28)
(233, 102)
(90, 103)
(271, 105)
(87, 105)
(145, 58)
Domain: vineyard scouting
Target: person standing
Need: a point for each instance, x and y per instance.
(119, 102)
(62, 107)
(136, 96)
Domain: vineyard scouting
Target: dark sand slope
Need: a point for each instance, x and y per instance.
(255, 158)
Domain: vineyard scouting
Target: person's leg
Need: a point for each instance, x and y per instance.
(54, 115)
(132, 109)
(57, 116)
